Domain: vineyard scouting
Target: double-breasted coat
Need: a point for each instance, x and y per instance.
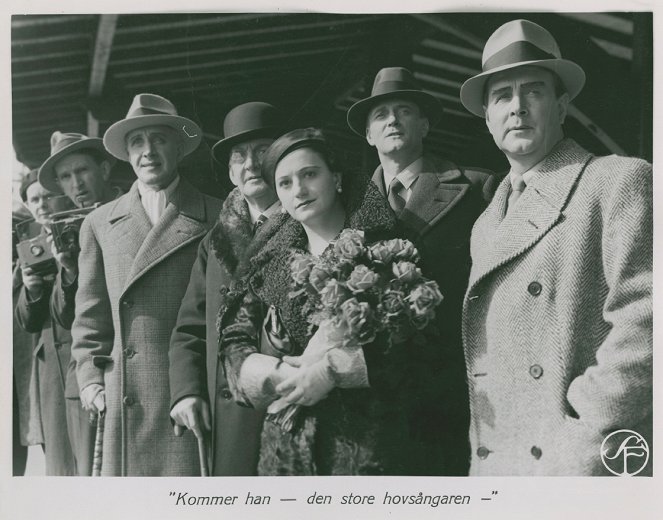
(557, 319)
(194, 346)
(445, 202)
(132, 277)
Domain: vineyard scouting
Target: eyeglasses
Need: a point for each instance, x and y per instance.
(240, 155)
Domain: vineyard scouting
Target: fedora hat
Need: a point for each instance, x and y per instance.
(150, 110)
(514, 44)
(393, 82)
(64, 143)
(245, 122)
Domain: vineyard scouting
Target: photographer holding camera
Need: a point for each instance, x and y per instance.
(79, 168)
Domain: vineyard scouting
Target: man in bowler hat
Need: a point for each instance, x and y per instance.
(134, 266)
(557, 319)
(436, 202)
(200, 398)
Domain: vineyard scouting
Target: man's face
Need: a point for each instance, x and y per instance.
(523, 113)
(244, 168)
(82, 179)
(396, 125)
(38, 202)
(154, 152)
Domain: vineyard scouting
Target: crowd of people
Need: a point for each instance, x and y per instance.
(239, 337)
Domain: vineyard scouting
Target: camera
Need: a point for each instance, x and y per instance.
(32, 248)
(65, 227)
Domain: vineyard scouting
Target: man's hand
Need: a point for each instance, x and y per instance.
(69, 263)
(33, 282)
(193, 413)
(93, 398)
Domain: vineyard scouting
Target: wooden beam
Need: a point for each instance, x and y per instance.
(189, 23)
(102, 52)
(605, 21)
(24, 21)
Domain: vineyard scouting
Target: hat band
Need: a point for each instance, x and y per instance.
(143, 111)
(517, 52)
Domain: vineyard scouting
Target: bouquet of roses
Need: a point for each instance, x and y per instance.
(358, 291)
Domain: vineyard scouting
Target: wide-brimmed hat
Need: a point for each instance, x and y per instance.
(515, 44)
(245, 122)
(151, 110)
(393, 82)
(64, 143)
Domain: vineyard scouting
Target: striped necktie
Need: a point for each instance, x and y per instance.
(396, 200)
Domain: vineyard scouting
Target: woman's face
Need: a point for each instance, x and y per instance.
(306, 187)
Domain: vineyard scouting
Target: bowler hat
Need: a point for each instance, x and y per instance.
(150, 110)
(514, 44)
(393, 82)
(245, 122)
(62, 144)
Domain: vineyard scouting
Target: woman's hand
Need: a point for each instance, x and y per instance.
(309, 385)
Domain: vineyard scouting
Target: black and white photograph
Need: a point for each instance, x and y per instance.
(413, 245)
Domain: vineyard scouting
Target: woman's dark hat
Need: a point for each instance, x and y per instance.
(393, 82)
(245, 122)
(300, 138)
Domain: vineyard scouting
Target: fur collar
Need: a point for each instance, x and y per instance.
(233, 232)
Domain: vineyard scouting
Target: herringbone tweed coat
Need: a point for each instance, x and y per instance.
(132, 278)
(557, 320)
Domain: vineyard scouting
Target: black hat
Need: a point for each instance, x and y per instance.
(28, 180)
(245, 122)
(393, 82)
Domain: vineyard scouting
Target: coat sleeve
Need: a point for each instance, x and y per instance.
(32, 314)
(92, 329)
(63, 301)
(616, 391)
(187, 352)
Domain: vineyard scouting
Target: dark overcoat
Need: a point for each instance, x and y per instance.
(439, 215)
(132, 278)
(194, 345)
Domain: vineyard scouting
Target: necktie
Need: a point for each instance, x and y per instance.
(259, 222)
(154, 203)
(396, 200)
(517, 187)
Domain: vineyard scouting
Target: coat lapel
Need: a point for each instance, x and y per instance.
(129, 223)
(505, 236)
(182, 221)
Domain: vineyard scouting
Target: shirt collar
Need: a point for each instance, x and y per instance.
(407, 175)
(254, 212)
(168, 190)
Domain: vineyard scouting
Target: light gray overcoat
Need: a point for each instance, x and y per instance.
(131, 283)
(557, 320)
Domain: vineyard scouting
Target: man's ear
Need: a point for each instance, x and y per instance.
(369, 139)
(425, 126)
(563, 107)
(231, 174)
(105, 170)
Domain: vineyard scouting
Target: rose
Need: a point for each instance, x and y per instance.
(393, 302)
(406, 272)
(300, 268)
(359, 319)
(420, 322)
(350, 244)
(318, 277)
(381, 253)
(361, 279)
(424, 298)
(405, 250)
(333, 294)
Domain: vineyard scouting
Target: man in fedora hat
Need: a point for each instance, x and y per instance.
(557, 319)
(197, 382)
(78, 167)
(136, 257)
(436, 202)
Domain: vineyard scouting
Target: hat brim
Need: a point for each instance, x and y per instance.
(358, 113)
(571, 74)
(114, 136)
(221, 149)
(47, 177)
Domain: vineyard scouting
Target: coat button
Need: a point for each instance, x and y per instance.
(536, 371)
(129, 352)
(534, 288)
(128, 400)
(225, 393)
(536, 452)
(128, 303)
(482, 452)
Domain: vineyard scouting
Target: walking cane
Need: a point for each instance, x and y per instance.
(98, 445)
(202, 455)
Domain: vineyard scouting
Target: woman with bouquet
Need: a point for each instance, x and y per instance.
(341, 400)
